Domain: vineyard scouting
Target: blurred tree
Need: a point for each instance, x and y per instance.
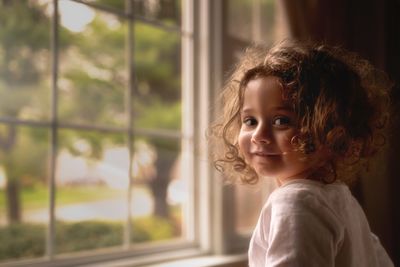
(157, 103)
(21, 48)
(24, 39)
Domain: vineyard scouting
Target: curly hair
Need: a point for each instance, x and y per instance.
(340, 99)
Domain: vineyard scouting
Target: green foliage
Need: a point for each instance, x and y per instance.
(94, 99)
(87, 235)
(21, 241)
(152, 228)
(120, 4)
(21, 47)
(93, 74)
(36, 196)
(157, 63)
(28, 240)
(159, 115)
(27, 150)
(17, 29)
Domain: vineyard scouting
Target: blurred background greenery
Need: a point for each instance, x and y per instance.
(92, 166)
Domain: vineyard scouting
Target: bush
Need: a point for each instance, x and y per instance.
(22, 241)
(87, 235)
(152, 228)
(27, 240)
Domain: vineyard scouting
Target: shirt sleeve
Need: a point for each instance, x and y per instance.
(381, 255)
(301, 231)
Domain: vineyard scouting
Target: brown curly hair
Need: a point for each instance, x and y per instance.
(341, 101)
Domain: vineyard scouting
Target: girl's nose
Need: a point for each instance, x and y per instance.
(261, 135)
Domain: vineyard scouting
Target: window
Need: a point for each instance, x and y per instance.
(103, 111)
(96, 129)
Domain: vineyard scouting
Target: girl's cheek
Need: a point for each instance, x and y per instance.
(244, 141)
(286, 139)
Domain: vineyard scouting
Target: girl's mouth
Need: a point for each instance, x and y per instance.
(266, 154)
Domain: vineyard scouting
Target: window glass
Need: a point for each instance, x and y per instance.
(157, 57)
(91, 190)
(93, 69)
(24, 59)
(239, 18)
(24, 198)
(160, 191)
(165, 11)
(252, 20)
(112, 4)
(110, 180)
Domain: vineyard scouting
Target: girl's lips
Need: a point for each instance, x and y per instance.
(265, 154)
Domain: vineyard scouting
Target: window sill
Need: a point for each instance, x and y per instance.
(239, 260)
(236, 260)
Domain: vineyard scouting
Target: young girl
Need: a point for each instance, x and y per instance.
(308, 117)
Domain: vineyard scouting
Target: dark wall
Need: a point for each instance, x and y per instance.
(372, 29)
(392, 66)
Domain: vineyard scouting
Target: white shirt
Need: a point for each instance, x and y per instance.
(307, 223)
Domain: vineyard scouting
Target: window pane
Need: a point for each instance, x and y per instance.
(93, 69)
(252, 20)
(157, 57)
(239, 19)
(92, 181)
(24, 209)
(118, 5)
(24, 59)
(160, 191)
(166, 11)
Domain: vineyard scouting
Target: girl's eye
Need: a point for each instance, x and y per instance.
(281, 121)
(249, 121)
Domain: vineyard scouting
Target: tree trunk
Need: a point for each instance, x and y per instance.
(13, 201)
(159, 185)
(7, 142)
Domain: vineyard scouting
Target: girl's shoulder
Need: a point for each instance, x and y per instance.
(300, 205)
(314, 196)
(300, 188)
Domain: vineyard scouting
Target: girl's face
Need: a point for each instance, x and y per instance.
(268, 124)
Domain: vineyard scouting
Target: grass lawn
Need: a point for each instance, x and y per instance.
(37, 197)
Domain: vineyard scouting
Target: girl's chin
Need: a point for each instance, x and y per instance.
(267, 174)
(281, 176)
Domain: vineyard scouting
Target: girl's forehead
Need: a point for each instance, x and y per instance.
(266, 90)
(265, 86)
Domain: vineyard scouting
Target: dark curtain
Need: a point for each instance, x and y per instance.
(372, 29)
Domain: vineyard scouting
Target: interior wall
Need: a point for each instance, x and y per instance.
(392, 66)
(371, 29)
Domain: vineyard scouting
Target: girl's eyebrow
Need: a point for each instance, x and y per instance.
(284, 108)
(246, 109)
